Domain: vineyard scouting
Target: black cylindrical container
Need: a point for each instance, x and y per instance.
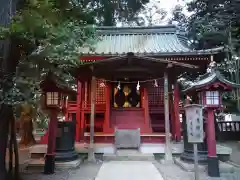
(65, 142)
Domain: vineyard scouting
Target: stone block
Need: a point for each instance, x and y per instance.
(127, 138)
(38, 164)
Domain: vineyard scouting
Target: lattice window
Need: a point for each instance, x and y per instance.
(156, 94)
(100, 92)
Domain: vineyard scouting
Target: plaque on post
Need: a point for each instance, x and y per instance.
(195, 133)
(194, 119)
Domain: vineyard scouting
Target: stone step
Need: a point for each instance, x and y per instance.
(128, 155)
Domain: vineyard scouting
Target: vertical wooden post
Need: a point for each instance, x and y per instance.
(78, 112)
(172, 117)
(84, 105)
(168, 150)
(49, 165)
(67, 111)
(82, 113)
(177, 112)
(146, 112)
(91, 155)
(107, 112)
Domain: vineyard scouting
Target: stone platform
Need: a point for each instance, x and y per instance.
(128, 155)
(39, 150)
(38, 164)
(224, 167)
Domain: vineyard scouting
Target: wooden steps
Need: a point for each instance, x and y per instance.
(109, 138)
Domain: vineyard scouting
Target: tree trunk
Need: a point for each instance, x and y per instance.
(6, 111)
(4, 130)
(15, 146)
(27, 137)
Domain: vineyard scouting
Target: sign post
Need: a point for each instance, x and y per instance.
(195, 133)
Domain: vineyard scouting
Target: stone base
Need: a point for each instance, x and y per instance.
(213, 167)
(188, 157)
(39, 164)
(49, 166)
(128, 155)
(223, 166)
(66, 156)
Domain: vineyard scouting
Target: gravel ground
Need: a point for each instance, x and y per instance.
(86, 171)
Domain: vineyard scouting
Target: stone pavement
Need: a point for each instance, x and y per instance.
(125, 170)
(128, 170)
(235, 155)
(174, 172)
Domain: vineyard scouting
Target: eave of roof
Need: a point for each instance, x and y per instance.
(209, 78)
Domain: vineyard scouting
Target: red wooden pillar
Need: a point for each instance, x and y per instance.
(78, 112)
(107, 128)
(172, 115)
(83, 107)
(213, 164)
(51, 144)
(177, 123)
(82, 112)
(147, 128)
(66, 112)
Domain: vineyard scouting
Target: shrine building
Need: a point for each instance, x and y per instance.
(125, 73)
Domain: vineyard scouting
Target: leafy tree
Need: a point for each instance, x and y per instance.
(213, 24)
(42, 40)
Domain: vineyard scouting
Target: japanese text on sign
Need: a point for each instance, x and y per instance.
(194, 120)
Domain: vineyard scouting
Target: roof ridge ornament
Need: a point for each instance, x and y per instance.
(211, 67)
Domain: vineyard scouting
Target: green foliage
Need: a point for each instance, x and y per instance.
(212, 24)
(49, 42)
(51, 33)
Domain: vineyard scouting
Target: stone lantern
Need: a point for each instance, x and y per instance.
(53, 92)
(207, 91)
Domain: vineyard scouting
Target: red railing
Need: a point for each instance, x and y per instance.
(100, 106)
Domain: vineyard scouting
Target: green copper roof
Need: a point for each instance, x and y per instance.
(160, 40)
(210, 78)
